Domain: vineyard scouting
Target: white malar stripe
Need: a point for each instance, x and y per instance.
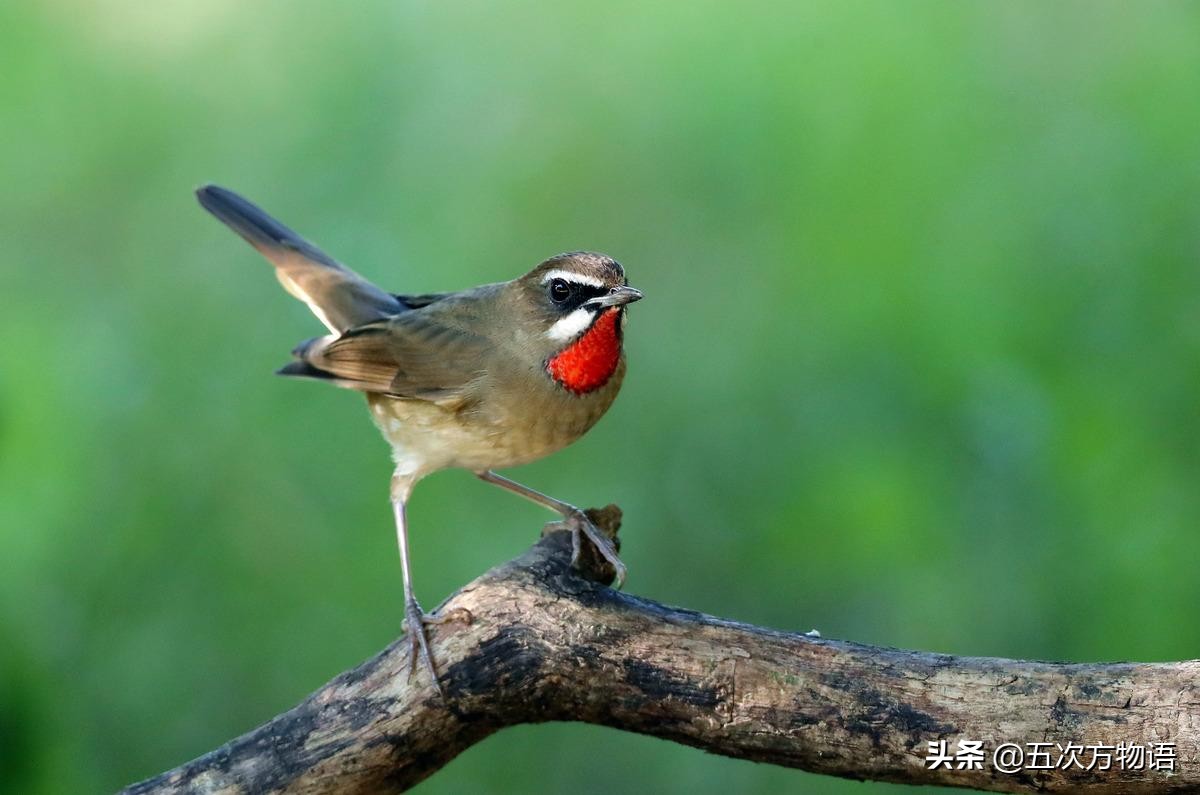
(571, 276)
(569, 326)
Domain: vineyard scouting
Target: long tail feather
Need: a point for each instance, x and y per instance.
(338, 296)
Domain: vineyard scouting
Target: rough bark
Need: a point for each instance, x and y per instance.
(545, 642)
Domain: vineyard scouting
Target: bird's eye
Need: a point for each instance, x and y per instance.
(560, 291)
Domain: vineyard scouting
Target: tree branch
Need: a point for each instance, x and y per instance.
(544, 643)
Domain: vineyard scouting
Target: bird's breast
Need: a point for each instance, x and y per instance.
(517, 421)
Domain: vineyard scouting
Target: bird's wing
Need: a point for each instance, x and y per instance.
(410, 355)
(338, 296)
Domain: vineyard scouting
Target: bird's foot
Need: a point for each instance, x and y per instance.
(580, 526)
(415, 621)
(418, 641)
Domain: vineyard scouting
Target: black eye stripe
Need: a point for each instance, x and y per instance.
(568, 295)
(583, 287)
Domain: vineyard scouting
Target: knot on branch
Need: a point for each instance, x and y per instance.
(591, 564)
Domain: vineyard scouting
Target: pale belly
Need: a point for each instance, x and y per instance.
(425, 437)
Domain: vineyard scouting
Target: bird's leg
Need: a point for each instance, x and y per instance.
(574, 519)
(414, 618)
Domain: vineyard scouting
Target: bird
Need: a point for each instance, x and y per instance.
(480, 379)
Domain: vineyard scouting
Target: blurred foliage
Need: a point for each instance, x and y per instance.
(918, 363)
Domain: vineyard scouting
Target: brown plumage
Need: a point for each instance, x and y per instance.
(485, 378)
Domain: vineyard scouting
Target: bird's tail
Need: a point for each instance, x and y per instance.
(338, 296)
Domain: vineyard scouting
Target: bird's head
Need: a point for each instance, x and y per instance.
(577, 302)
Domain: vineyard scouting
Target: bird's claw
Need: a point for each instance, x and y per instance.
(415, 621)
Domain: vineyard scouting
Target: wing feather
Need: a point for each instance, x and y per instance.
(409, 356)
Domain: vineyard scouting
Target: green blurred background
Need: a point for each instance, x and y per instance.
(919, 362)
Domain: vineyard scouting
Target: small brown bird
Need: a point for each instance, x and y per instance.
(482, 379)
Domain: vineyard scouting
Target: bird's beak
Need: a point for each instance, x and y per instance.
(617, 296)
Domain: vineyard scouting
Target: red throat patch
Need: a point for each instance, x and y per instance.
(590, 361)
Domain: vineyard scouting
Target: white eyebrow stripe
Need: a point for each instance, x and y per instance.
(567, 327)
(571, 276)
